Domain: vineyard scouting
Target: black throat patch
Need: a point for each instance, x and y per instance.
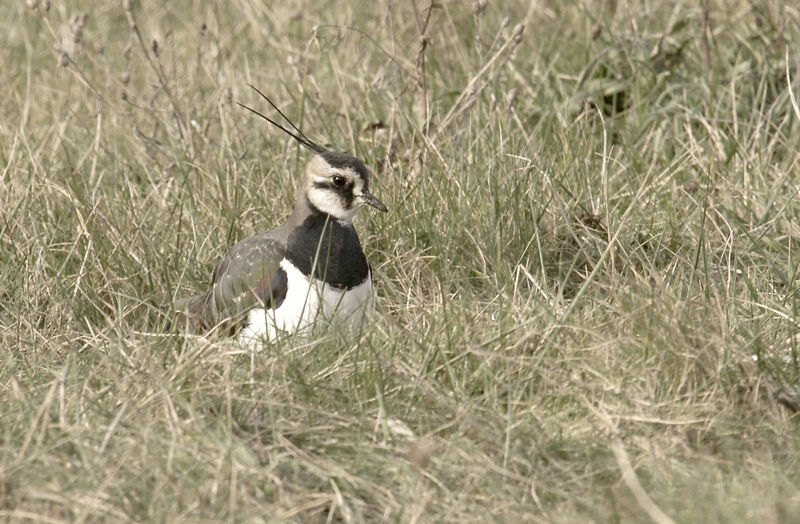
(340, 261)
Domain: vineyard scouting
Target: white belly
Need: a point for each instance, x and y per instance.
(306, 302)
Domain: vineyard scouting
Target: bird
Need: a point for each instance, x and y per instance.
(309, 267)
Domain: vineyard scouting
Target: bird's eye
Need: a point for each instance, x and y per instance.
(338, 180)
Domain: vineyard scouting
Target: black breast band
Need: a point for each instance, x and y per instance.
(340, 261)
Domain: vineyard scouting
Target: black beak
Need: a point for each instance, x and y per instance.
(370, 199)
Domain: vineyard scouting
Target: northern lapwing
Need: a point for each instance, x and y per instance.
(311, 266)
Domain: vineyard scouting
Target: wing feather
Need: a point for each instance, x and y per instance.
(245, 278)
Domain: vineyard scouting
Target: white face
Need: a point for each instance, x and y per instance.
(334, 191)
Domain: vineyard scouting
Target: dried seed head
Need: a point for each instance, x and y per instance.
(227, 96)
(127, 5)
(479, 5)
(125, 77)
(155, 46)
(77, 23)
(691, 186)
(79, 20)
(516, 34)
(33, 4)
(63, 59)
(45, 6)
(124, 95)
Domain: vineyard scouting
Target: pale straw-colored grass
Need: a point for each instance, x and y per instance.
(586, 283)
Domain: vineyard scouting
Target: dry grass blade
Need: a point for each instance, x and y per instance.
(632, 481)
(587, 293)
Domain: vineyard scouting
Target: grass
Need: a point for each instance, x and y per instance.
(586, 284)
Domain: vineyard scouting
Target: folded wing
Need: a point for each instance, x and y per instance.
(248, 276)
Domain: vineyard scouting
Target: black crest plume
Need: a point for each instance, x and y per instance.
(297, 134)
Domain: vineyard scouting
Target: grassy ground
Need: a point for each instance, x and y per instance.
(587, 281)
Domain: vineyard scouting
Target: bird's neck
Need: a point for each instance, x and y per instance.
(322, 245)
(303, 209)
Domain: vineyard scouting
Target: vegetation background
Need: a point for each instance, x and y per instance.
(587, 281)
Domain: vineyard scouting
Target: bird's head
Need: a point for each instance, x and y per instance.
(338, 184)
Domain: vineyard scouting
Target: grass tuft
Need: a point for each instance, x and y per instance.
(586, 284)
